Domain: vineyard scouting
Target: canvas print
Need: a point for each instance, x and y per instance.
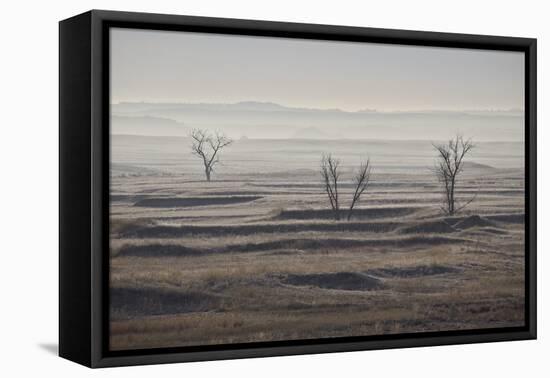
(266, 189)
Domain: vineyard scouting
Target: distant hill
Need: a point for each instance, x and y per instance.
(147, 125)
(311, 133)
(478, 166)
(270, 120)
(253, 106)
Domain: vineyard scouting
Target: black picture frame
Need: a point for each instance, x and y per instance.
(84, 186)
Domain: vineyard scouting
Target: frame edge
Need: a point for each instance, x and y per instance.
(75, 275)
(99, 17)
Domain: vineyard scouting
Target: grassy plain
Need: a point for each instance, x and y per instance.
(255, 256)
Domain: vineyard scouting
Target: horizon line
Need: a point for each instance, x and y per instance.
(365, 110)
(245, 138)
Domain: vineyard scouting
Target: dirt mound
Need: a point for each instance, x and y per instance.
(492, 230)
(126, 198)
(159, 250)
(288, 245)
(508, 218)
(235, 193)
(339, 281)
(252, 229)
(434, 227)
(478, 166)
(413, 271)
(474, 221)
(193, 201)
(133, 302)
(373, 213)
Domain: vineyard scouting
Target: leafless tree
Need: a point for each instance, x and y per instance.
(330, 174)
(362, 179)
(449, 165)
(207, 147)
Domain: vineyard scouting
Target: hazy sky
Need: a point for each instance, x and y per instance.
(160, 66)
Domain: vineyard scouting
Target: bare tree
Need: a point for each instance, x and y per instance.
(449, 165)
(330, 174)
(361, 179)
(207, 147)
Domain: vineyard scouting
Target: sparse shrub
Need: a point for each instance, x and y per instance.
(449, 165)
(207, 147)
(330, 174)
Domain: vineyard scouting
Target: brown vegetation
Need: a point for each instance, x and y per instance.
(192, 271)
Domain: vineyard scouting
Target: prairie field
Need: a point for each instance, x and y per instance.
(255, 254)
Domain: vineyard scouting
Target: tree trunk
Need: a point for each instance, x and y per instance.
(452, 197)
(207, 171)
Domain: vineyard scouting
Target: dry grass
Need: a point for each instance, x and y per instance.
(259, 271)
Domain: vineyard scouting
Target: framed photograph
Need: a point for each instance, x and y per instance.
(234, 188)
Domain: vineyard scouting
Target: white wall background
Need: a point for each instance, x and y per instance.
(29, 186)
